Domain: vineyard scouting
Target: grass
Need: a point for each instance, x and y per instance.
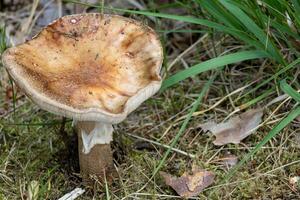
(3, 43)
(211, 64)
(252, 44)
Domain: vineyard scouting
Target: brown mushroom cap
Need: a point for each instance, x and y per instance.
(88, 66)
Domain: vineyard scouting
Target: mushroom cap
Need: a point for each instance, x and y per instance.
(89, 67)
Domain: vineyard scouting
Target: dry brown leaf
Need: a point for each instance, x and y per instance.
(236, 128)
(189, 185)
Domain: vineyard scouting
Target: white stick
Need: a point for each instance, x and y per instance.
(73, 194)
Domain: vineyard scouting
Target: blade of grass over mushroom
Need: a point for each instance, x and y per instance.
(289, 90)
(281, 125)
(3, 47)
(212, 64)
(3, 44)
(184, 124)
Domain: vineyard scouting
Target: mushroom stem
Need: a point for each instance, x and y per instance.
(95, 155)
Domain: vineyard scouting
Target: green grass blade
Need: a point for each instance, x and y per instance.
(212, 64)
(185, 123)
(3, 44)
(281, 125)
(257, 99)
(275, 8)
(254, 29)
(3, 47)
(236, 29)
(289, 90)
(106, 188)
(296, 4)
(219, 12)
(288, 67)
(285, 29)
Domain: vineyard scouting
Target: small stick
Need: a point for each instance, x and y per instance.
(59, 5)
(163, 145)
(73, 194)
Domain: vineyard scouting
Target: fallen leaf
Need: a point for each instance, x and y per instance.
(189, 185)
(236, 128)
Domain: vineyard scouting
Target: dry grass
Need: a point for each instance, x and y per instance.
(32, 148)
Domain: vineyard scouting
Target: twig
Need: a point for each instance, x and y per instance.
(59, 5)
(26, 26)
(163, 145)
(73, 194)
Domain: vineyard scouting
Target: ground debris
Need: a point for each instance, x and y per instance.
(227, 161)
(236, 128)
(189, 185)
(33, 190)
(143, 145)
(294, 182)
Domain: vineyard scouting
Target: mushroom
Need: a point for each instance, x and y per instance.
(93, 68)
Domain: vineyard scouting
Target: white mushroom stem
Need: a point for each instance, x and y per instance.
(95, 155)
(101, 134)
